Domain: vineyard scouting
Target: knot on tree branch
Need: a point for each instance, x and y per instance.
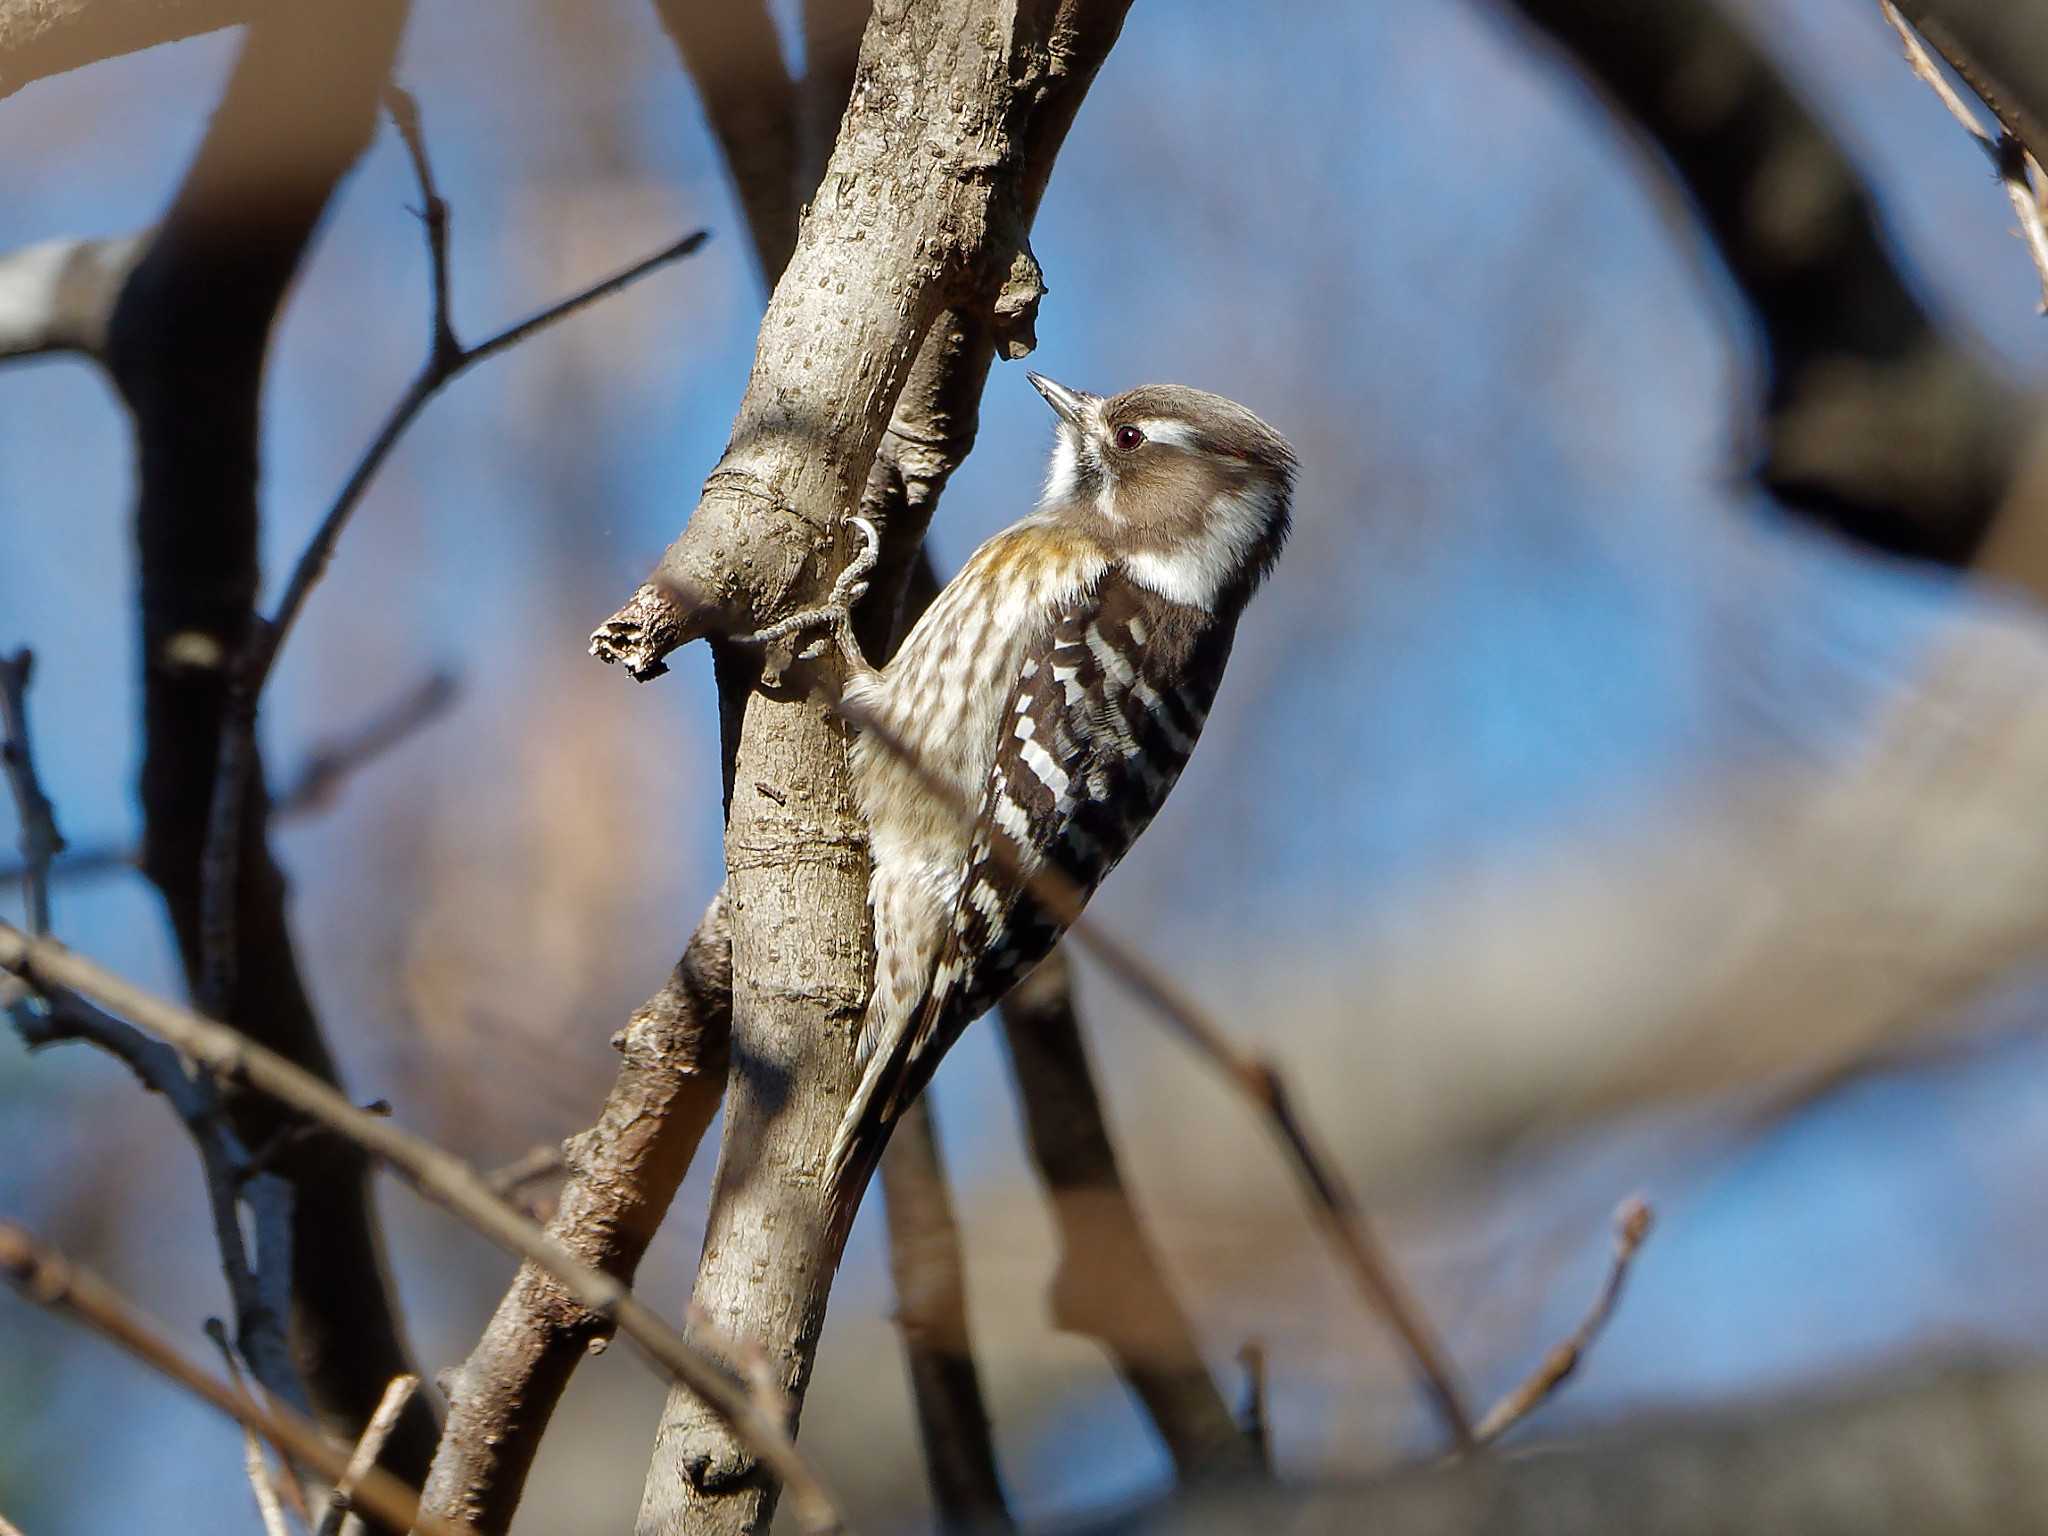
(1014, 315)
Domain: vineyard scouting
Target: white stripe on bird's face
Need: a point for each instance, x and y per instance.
(1196, 572)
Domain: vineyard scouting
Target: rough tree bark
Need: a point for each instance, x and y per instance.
(957, 111)
(39, 38)
(2001, 49)
(186, 345)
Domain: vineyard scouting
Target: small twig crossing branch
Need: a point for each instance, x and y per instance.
(442, 1177)
(447, 357)
(1337, 1208)
(45, 1277)
(2019, 173)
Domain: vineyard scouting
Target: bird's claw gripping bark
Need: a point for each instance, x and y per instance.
(835, 614)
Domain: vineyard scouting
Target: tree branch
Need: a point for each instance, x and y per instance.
(262, 1299)
(39, 38)
(446, 358)
(931, 1313)
(1873, 422)
(233, 1057)
(185, 345)
(733, 54)
(1632, 1223)
(41, 842)
(622, 1175)
(1996, 48)
(59, 296)
(1110, 1284)
(941, 159)
(2017, 170)
(341, 1500)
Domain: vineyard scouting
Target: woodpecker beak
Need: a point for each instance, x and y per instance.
(1067, 404)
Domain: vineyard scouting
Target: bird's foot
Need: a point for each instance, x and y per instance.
(835, 614)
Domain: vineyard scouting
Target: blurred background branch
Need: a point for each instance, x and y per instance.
(185, 344)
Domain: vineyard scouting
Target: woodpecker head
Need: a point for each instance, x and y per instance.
(1191, 489)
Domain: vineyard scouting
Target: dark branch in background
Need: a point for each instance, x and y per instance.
(41, 842)
(57, 972)
(2018, 171)
(622, 1175)
(312, 788)
(44, 1277)
(262, 1300)
(185, 345)
(832, 32)
(733, 54)
(1951, 1447)
(447, 358)
(269, 1504)
(1110, 1283)
(1873, 422)
(931, 1312)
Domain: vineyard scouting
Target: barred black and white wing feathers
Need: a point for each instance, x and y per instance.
(1105, 708)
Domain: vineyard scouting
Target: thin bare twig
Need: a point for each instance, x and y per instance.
(45, 1277)
(8, 1527)
(41, 842)
(234, 1057)
(447, 357)
(2019, 173)
(1632, 1224)
(341, 1501)
(1338, 1210)
(269, 1507)
(528, 1168)
(311, 787)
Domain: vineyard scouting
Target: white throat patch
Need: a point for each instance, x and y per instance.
(1063, 475)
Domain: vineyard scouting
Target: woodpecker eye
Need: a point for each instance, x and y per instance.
(1128, 438)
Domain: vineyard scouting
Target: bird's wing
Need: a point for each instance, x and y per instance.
(1098, 724)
